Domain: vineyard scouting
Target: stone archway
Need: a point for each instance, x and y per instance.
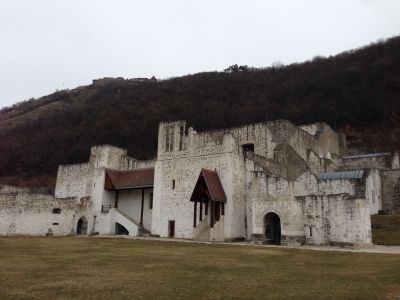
(81, 228)
(272, 228)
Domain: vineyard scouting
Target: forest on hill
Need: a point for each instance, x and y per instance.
(357, 92)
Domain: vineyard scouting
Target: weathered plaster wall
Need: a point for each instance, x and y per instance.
(73, 180)
(24, 213)
(328, 141)
(336, 219)
(338, 186)
(174, 204)
(373, 191)
(268, 194)
(211, 150)
(378, 162)
(129, 203)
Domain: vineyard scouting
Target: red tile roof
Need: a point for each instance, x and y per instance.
(213, 186)
(132, 179)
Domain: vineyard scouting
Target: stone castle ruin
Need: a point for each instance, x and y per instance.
(271, 182)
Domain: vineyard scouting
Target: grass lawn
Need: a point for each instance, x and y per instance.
(105, 268)
(386, 229)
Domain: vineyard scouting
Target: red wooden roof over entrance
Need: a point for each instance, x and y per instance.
(208, 184)
(131, 179)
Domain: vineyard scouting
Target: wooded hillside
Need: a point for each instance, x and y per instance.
(356, 92)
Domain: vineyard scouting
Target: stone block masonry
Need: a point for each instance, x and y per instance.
(25, 213)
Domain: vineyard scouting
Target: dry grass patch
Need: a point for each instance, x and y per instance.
(103, 268)
(386, 229)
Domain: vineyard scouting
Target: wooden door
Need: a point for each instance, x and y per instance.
(171, 228)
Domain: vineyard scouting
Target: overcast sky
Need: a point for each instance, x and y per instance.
(55, 44)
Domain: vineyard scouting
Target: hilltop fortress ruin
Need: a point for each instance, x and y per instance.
(271, 182)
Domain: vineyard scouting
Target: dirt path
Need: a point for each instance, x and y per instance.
(356, 249)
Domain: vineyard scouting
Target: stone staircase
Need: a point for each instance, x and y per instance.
(202, 231)
(288, 164)
(134, 228)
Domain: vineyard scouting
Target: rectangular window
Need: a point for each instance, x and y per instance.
(169, 140)
(182, 138)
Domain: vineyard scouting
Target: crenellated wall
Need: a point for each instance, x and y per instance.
(264, 168)
(214, 150)
(357, 163)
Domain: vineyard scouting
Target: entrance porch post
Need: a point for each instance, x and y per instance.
(201, 210)
(212, 214)
(195, 213)
(141, 209)
(116, 199)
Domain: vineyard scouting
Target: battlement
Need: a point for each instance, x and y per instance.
(174, 140)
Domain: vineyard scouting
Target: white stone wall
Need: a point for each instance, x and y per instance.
(310, 128)
(373, 191)
(317, 212)
(276, 195)
(338, 186)
(377, 162)
(73, 181)
(174, 204)
(32, 214)
(129, 203)
(336, 219)
(100, 197)
(211, 150)
(87, 179)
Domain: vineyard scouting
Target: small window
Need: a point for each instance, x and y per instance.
(55, 223)
(173, 184)
(169, 140)
(247, 148)
(151, 201)
(310, 231)
(182, 138)
(57, 211)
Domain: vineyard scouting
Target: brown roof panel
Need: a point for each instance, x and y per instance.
(132, 179)
(213, 183)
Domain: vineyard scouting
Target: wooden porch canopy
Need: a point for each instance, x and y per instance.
(131, 179)
(208, 190)
(208, 186)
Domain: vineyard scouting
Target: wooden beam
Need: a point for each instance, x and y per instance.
(116, 198)
(201, 210)
(195, 213)
(212, 214)
(141, 208)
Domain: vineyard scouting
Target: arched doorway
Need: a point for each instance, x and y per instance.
(120, 230)
(81, 228)
(272, 226)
